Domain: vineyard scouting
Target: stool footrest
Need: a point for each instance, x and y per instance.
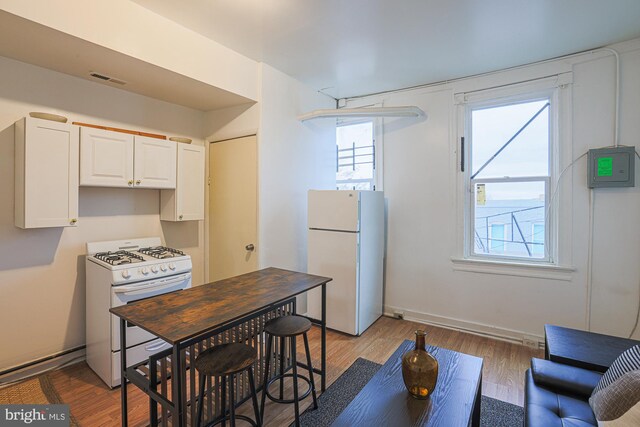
(228, 418)
(287, 401)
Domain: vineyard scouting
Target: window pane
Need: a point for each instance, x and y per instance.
(505, 215)
(537, 237)
(526, 155)
(355, 153)
(497, 238)
(354, 186)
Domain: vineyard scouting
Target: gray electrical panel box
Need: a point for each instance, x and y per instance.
(611, 167)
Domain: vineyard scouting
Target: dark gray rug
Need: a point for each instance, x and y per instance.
(493, 412)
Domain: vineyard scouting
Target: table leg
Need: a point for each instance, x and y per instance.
(176, 381)
(153, 405)
(323, 360)
(475, 417)
(123, 371)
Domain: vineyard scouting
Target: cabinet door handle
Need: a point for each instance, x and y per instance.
(138, 182)
(250, 247)
(180, 217)
(130, 182)
(73, 220)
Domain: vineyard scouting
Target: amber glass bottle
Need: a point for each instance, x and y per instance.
(419, 369)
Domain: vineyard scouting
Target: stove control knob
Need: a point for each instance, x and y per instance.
(163, 267)
(154, 269)
(144, 270)
(126, 274)
(172, 266)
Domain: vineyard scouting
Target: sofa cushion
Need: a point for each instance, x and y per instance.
(564, 378)
(545, 407)
(616, 399)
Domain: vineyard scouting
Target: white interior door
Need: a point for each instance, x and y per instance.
(233, 208)
(335, 254)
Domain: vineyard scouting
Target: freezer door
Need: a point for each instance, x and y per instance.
(334, 254)
(334, 210)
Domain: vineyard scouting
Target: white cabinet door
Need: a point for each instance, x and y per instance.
(154, 163)
(46, 173)
(186, 202)
(106, 158)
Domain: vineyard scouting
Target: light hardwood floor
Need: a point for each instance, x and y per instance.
(93, 404)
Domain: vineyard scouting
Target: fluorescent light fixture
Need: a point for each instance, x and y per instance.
(407, 111)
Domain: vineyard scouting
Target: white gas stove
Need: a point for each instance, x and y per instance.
(139, 259)
(120, 272)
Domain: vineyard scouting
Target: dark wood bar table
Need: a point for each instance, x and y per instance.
(186, 319)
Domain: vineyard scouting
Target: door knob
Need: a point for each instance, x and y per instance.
(250, 247)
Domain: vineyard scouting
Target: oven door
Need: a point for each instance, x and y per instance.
(124, 294)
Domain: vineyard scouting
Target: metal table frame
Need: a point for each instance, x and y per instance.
(176, 406)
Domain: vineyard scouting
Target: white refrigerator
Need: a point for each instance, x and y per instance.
(346, 243)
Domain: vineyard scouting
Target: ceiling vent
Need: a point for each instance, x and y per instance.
(106, 78)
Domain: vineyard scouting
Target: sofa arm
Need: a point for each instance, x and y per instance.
(569, 379)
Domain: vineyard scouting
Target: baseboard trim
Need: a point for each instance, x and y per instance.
(502, 334)
(44, 364)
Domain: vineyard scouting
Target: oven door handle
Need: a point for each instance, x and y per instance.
(158, 285)
(156, 345)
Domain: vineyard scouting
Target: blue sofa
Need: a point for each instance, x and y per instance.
(558, 395)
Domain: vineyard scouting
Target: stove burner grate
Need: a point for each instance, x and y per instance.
(161, 252)
(118, 257)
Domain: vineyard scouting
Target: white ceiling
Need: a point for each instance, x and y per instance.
(354, 47)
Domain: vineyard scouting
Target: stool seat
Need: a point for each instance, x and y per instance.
(287, 326)
(226, 359)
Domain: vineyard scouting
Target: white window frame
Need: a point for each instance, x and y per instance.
(559, 110)
(376, 129)
(533, 231)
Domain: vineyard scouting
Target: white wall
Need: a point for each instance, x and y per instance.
(293, 158)
(42, 276)
(420, 182)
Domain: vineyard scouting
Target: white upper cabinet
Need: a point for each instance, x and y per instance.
(154, 163)
(106, 158)
(46, 173)
(186, 202)
(115, 159)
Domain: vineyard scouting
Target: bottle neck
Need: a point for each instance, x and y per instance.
(420, 340)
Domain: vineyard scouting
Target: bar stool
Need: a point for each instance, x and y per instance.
(225, 361)
(288, 327)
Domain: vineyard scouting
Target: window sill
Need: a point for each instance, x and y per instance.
(506, 268)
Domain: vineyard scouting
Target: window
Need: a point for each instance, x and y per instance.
(356, 156)
(509, 144)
